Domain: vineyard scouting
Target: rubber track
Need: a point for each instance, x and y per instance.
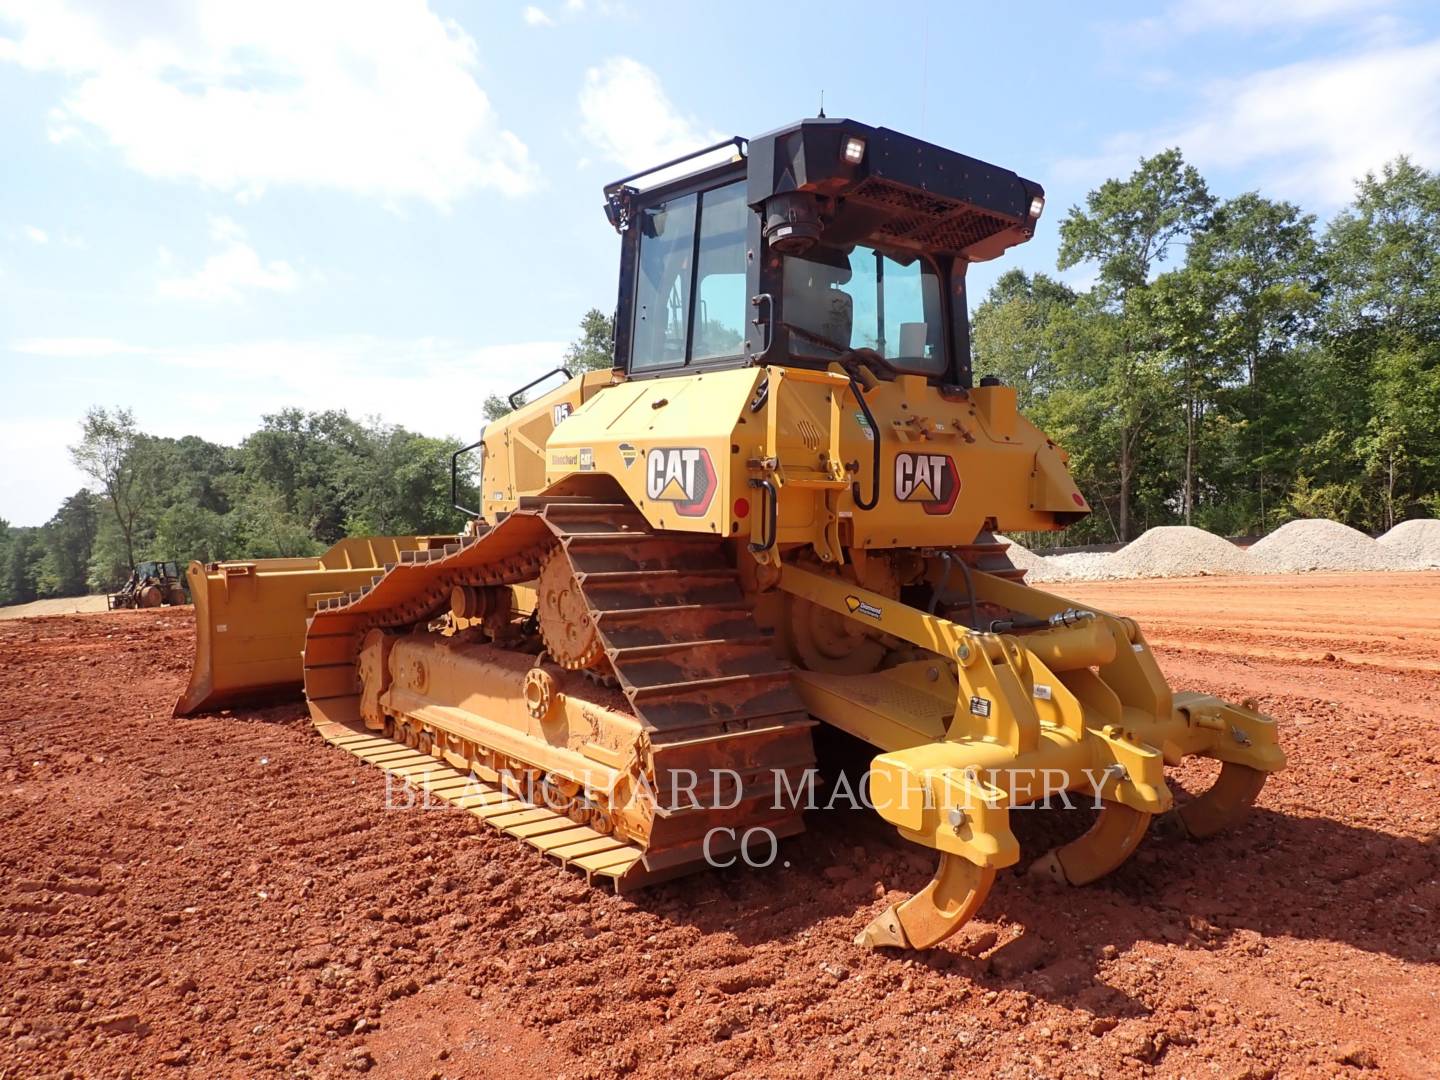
(697, 670)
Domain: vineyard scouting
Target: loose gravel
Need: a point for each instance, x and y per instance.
(1416, 541)
(1297, 547)
(1321, 544)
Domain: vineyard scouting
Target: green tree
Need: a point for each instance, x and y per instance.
(301, 457)
(1127, 230)
(1015, 335)
(594, 349)
(69, 538)
(24, 555)
(105, 453)
(1382, 339)
(496, 407)
(1260, 259)
(402, 485)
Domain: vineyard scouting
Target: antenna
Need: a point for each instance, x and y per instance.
(924, 63)
(821, 115)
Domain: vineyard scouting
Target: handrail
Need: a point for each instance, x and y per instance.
(738, 141)
(562, 369)
(455, 475)
(861, 504)
(771, 526)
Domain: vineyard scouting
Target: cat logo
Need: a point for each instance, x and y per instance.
(560, 413)
(627, 454)
(931, 479)
(682, 475)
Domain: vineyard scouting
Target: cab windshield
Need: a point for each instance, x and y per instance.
(835, 301)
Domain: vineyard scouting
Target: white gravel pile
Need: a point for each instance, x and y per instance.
(1080, 566)
(1036, 567)
(1321, 544)
(1178, 551)
(1184, 551)
(1417, 542)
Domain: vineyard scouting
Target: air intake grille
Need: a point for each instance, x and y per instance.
(926, 220)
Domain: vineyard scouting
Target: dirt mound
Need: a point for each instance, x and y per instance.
(1321, 544)
(1417, 542)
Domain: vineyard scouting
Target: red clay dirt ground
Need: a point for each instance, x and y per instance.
(228, 896)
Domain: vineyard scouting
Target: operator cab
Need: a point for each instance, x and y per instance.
(820, 242)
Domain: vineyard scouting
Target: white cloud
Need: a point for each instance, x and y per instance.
(535, 17)
(376, 99)
(627, 116)
(232, 271)
(1308, 130)
(36, 234)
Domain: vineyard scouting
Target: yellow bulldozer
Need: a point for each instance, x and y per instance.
(779, 508)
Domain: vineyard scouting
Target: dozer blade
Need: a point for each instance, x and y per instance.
(250, 616)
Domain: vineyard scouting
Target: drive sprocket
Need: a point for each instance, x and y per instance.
(564, 617)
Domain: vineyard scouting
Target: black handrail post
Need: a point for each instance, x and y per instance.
(562, 369)
(455, 476)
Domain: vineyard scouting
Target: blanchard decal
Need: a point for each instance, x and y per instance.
(929, 479)
(858, 606)
(560, 412)
(565, 461)
(587, 460)
(682, 475)
(628, 454)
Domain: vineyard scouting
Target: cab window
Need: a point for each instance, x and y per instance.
(690, 299)
(835, 301)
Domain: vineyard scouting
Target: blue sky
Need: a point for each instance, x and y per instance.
(209, 211)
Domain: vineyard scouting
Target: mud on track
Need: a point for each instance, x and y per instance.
(227, 896)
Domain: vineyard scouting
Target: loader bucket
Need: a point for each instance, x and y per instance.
(250, 616)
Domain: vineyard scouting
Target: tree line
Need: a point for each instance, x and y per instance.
(299, 483)
(1232, 365)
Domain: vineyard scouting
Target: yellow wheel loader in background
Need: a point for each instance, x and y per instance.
(779, 508)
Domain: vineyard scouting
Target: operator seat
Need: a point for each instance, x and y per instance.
(813, 301)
